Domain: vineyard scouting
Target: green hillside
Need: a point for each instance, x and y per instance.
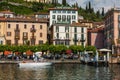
(27, 8)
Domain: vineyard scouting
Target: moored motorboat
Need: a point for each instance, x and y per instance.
(34, 64)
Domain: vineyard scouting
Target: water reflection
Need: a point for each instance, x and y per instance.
(59, 72)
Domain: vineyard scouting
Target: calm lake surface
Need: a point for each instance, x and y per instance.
(60, 72)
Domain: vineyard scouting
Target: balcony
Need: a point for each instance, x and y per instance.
(17, 37)
(75, 40)
(25, 37)
(82, 40)
(33, 37)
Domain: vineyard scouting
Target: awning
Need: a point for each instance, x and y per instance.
(68, 51)
(7, 53)
(104, 50)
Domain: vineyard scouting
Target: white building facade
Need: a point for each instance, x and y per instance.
(63, 15)
(67, 34)
(64, 27)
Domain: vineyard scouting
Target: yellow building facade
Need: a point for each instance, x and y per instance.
(19, 31)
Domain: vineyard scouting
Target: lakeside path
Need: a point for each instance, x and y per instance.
(53, 61)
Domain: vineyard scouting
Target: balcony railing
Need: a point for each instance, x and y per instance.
(17, 37)
(82, 40)
(33, 37)
(25, 37)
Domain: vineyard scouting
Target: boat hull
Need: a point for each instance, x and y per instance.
(34, 64)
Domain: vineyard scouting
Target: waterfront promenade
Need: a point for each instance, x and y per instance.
(77, 61)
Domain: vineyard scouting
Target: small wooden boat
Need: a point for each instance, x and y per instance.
(34, 64)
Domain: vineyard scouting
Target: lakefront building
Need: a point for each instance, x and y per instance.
(69, 34)
(19, 31)
(96, 37)
(112, 30)
(63, 15)
(64, 27)
(2, 30)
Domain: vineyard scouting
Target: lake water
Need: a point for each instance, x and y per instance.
(60, 72)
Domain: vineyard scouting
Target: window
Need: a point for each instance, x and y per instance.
(82, 39)
(8, 42)
(17, 34)
(64, 11)
(16, 42)
(73, 17)
(32, 41)
(25, 34)
(68, 11)
(118, 17)
(53, 16)
(59, 17)
(82, 36)
(17, 26)
(1, 42)
(59, 11)
(33, 26)
(73, 11)
(75, 36)
(75, 39)
(68, 18)
(40, 34)
(57, 35)
(8, 33)
(54, 11)
(40, 26)
(82, 30)
(53, 21)
(40, 41)
(9, 25)
(66, 29)
(63, 18)
(119, 28)
(67, 35)
(57, 29)
(75, 29)
(25, 41)
(25, 26)
(67, 42)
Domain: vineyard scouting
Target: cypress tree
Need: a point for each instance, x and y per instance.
(89, 5)
(90, 8)
(103, 12)
(86, 7)
(98, 13)
(64, 2)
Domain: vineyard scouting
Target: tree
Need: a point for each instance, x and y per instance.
(52, 49)
(90, 48)
(89, 6)
(98, 14)
(64, 2)
(86, 7)
(43, 48)
(103, 12)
